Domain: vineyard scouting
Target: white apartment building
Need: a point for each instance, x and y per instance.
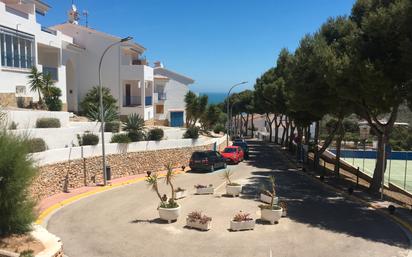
(71, 53)
(170, 89)
(124, 72)
(24, 44)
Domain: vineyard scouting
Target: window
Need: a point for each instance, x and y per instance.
(16, 48)
(160, 109)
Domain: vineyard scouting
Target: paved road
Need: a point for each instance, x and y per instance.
(123, 222)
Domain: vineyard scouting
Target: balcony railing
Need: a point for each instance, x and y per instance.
(52, 71)
(148, 100)
(48, 30)
(132, 101)
(161, 96)
(17, 12)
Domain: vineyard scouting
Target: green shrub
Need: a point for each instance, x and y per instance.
(112, 126)
(48, 123)
(36, 145)
(219, 128)
(52, 99)
(90, 105)
(13, 125)
(27, 253)
(120, 138)
(17, 171)
(191, 132)
(136, 136)
(89, 139)
(155, 134)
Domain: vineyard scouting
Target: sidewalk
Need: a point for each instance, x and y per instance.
(342, 184)
(54, 202)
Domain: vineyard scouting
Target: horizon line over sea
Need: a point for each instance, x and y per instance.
(214, 97)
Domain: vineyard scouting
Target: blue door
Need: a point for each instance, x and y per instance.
(176, 119)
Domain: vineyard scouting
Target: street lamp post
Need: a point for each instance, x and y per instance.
(101, 104)
(227, 110)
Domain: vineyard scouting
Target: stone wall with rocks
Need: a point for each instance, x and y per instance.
(53, 179)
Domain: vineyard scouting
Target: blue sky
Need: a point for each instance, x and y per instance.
(215, 42)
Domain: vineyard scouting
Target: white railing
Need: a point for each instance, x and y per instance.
(75, 153)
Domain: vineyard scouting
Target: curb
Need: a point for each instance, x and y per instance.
(50, 210)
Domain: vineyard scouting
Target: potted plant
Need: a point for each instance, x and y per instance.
(204, 190)
(232, 189)
(284, 207)
(195, 219)
(271, 212)
(180, 193)
(242, 221)
(265, 196)
(168, 208)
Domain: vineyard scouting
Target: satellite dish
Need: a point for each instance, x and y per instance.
(73, 15)
(74, 8)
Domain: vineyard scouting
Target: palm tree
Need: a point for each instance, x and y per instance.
(170, 175)
(36, 82)
(152, 182)
(133, 123)
(47, 84)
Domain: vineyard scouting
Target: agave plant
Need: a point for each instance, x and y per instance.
(109, 113)
(133, 123)
(170, 175)
(227, 175)
(152, 181)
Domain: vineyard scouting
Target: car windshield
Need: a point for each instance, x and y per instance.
(199, 155)
(229, 150)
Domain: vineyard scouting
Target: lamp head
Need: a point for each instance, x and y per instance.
(126, 39)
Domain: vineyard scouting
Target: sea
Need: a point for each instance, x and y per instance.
(214, 97)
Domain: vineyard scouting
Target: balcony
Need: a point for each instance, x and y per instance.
(48, 30)
(52, 71)
(17, 12)
(161, 96)
(132, 101)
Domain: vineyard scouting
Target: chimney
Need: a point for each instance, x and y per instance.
(158, 64)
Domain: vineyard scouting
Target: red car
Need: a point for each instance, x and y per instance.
(233, 154)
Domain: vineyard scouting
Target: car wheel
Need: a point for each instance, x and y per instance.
(212, 168)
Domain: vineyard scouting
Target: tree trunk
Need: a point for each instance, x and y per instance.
(253, 126)
(287, 131)
(383, 131)
(315, 147)
(269, 123)
(277, 124)
(338, 149)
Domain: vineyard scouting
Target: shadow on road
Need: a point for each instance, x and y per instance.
(311, 204)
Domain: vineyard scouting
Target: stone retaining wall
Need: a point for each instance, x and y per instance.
(78, 173)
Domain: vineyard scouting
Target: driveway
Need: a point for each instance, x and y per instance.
(123, 222)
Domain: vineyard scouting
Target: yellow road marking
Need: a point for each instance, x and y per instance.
(67, 201)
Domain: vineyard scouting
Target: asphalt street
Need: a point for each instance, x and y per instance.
(123, 222)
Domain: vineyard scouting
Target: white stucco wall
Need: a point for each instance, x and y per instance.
(26, 119)
(63, 154)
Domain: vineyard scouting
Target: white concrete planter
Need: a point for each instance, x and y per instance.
(180, 194)
(233, 190)
(242, 225)
(205, 191)
(266, 199)
(169, 214)
(198, 225)
(272, 216)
